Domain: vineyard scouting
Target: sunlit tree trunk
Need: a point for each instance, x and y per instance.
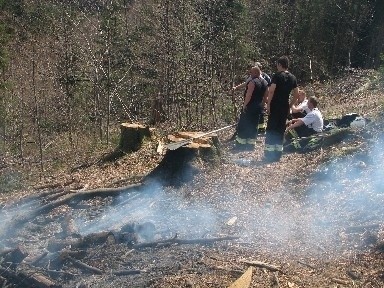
(37, 108)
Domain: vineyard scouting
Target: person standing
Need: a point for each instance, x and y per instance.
(278, 105)
(262, 123)
(255, 97)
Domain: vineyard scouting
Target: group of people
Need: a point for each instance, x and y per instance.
(290, 113)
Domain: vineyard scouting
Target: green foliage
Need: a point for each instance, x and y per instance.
(100, 58)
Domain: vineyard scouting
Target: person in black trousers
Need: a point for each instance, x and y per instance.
(278, 105)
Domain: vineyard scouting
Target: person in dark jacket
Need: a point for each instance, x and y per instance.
(278, 105)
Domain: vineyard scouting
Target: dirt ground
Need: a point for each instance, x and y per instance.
(310, 220)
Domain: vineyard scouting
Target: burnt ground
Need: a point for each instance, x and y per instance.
(313, 220)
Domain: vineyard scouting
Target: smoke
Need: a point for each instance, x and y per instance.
(170, 214)
(344, 193)
(8, 214)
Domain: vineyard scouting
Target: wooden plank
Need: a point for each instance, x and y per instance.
(244, 281)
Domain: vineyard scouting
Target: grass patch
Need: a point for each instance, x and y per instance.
(10, 180)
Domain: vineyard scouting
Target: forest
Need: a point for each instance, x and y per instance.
(71, 71)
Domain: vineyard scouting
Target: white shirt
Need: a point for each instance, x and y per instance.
(314, 120)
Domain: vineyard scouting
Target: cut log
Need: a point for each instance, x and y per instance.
(131, 136)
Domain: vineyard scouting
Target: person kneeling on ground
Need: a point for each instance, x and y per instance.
(309, 125)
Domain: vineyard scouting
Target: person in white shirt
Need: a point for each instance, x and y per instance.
(300, 109)
(311, 124)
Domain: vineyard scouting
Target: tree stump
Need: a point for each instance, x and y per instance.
(179, 166)
(131, 136)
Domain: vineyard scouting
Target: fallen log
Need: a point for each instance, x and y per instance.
(82, 265)
(234, 272)
(340, 281)
(73, 199)
(362, 228)
(6, 251)
(54, 185)
(181, 241)
(28, 279)
(262, 265)
(77, 254)
(33, 261)
(16, 256)
(92, 239)
(306, 264)
(59, 274)
(128, 272)
(83, 242)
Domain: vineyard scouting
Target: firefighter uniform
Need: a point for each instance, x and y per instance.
(279, 109)
(249, 118)
(262, 123)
